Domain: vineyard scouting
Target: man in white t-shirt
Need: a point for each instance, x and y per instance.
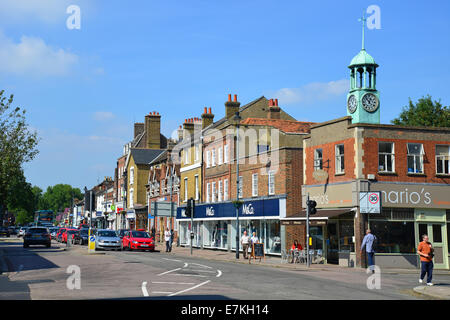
(245, 240)
(254, 238)
(167, 236)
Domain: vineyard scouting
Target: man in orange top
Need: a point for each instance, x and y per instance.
(425, 251)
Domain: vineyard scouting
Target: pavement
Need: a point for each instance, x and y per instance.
(438, 291)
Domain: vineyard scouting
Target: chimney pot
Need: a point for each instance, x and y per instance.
(209, 111)
(205, 111)
(229, 97)
(235, 98)
(276, 102)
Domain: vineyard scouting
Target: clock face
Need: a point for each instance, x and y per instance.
(352, 104)
(369, 102)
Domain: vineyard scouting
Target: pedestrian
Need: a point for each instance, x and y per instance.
(171, 240)
(426, 253)
(167, 239)
(369, 243)
(254, 238)
(245, 242)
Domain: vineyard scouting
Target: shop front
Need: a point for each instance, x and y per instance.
(131, 219)
(142, 218)
(214, 225)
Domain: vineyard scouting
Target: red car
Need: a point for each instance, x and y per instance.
(137, 239)
(68, 234)
(59, 234)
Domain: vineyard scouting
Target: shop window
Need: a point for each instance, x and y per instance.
(437, 233)
(346, 233)
(415, 158)
(386, 157)
(340, 159)
(394, 237)
(403, 214)
(318, 159)
(442, 159)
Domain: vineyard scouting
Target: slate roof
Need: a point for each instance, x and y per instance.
(145, 156)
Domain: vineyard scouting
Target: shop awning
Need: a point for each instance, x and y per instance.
(322, 214)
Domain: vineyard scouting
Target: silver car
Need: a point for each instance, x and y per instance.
(107, 240)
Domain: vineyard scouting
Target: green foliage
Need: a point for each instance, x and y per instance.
(17, 146)
(23, 217)
(59, 197)
(425, 113)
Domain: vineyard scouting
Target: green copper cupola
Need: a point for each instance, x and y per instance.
(363, 99)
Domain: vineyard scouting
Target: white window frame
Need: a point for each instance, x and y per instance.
(132, 175)
(208, 192)
(186, 156)
(131, 198)
(219, 194)
(443, 158)
(213, 157)
(385, 156)
(318, 162)
(185, 189)
(225, 153)
(208, 159)
(196, 187)
(225, 190)
(340, 160)
(220, 151)
(271, 183)
(196, 153)
(415, 157)
(255, 185)
(213, 193)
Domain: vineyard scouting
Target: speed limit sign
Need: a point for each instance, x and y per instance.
(370, 202)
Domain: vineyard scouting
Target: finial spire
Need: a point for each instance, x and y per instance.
(363, 19)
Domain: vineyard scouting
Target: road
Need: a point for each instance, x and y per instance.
(41, 273)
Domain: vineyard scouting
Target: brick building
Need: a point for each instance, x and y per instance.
(270, 175)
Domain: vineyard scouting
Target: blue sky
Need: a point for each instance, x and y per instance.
(83, 89)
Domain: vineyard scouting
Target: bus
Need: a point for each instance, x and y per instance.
(44, 218)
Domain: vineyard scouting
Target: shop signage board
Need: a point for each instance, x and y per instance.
(161, 209)
(257, 252)
(370, 202)
(256, 208)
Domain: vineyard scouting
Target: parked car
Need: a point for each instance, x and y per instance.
(107, 239)
(37, 235)
(4, 232)
(68, 235)
(12, 230)
(138, 240)
(59, 234)
(22, 231)
(81, 236)
(121, 232)
(53, 232)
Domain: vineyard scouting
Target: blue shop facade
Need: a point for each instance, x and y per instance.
(214, 224)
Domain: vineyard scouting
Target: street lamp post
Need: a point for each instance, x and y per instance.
(237, 119)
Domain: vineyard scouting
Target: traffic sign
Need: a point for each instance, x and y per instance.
(370, 202)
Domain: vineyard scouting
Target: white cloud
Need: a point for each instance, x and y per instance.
(32, 56)
(49, 11)
(315, 91)
(103, 116)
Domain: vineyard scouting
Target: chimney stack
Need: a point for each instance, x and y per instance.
(207, 118)
(274, 109)
(231, 107)
(153, 130)
(188, 128)
(139, 127)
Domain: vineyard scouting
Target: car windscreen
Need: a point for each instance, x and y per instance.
(84, 232)
(107, 234)
(37, 230)
(140, 234)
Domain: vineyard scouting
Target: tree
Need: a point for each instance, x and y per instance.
(425, 113)
(59, 197)
(17, 146)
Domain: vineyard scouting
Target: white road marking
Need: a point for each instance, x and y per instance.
(219, 273)
(188, 275)
(163, 282)
(201, 265)
(169, 271)
(172, 260)
(194, 270)
(185, 265)
(189, 289)
(144, 289)
(162, 292)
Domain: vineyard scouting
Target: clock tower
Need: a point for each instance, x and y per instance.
(363, 100)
